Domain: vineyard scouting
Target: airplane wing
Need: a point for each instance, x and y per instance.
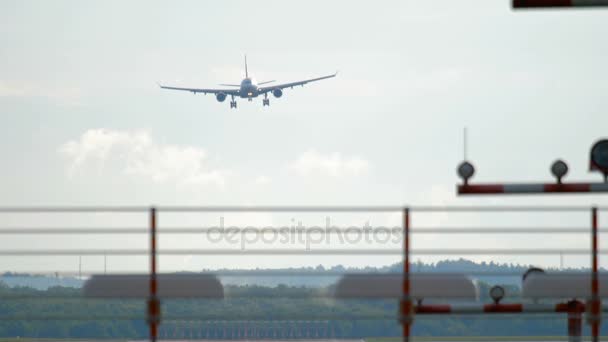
(293, 84)
(204, 91)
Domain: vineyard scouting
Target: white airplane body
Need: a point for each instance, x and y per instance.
(249, 88)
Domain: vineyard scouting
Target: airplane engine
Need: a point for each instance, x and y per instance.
(220, 97)
(277, 93)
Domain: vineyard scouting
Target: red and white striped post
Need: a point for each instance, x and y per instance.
(406, 309)
(558, 3)
(530, 188)
(596, 304)
(575, 320)
(598, 162)
(570, 307)
(574, 309)
(153, 302)
(559, 169)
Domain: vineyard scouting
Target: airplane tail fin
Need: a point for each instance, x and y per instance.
(246, 72)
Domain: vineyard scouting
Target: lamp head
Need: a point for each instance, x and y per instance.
(466, 170)
(559, 169)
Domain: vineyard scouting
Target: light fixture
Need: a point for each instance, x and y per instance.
(599, 158)
(466, 170)
(559, 169)
(497, 293)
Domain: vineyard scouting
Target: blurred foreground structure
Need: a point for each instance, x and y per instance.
(518, 4)
(575, 296)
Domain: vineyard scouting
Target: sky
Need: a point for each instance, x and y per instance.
(85, 122)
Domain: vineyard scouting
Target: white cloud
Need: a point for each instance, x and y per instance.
(136, 154)
(335, 165)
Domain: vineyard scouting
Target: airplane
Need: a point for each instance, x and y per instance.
(249, 88)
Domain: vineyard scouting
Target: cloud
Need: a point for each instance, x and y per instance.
(335, 165)
(136, 154)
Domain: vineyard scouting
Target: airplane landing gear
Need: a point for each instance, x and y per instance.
(232, 104)
(266, 100)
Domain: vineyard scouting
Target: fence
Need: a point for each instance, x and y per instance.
(563, 221)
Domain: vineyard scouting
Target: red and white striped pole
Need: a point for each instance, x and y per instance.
(531, 188)
(406, 309)
(153, 301)
(558, 3)
(570, 307)
(559, 169)
(574, 309)
(596, 303)
(575, 320)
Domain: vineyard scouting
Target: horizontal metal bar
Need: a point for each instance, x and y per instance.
(456, 230)
(337, 274)
(72, 318)
(294, 296)
(66, 298)
(363, 252)
(167, 317)
(202, 320)
(369, 208)
(291, 318)
(540, 4)
(504, 209)
(262, 274)
(141, 209)
(71, 231)
(75, 209)
(282, 209)
(319, 274)
(184, 317)
(531, 188)
(309, 230)
(210, 320)
(314, 292)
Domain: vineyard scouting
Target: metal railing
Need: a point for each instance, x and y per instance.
(408, 308)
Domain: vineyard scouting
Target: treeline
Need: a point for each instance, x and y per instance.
(247, 312)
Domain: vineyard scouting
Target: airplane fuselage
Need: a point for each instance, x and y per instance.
(249, 88)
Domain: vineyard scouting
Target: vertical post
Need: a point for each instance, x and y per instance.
(595, 299)
(406, 302)
(153, 302)
(465, 147)
(575, 321)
